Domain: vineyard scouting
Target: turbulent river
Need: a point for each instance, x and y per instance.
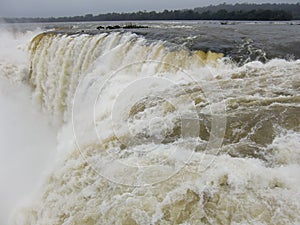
(177, 123)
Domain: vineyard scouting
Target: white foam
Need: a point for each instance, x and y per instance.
(115, 182)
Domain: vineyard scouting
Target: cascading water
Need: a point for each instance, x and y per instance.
(156, 134)
(59, 62)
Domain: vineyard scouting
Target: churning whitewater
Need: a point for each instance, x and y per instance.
(154, 133)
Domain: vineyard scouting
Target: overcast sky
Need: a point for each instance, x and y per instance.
(46, 8)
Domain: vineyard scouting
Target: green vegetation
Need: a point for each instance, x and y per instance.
(293, 9)
(266, 12)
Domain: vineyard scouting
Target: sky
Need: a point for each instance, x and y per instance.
(47, 8)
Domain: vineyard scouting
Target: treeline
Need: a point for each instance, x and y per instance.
(222, 14)
(294, 9)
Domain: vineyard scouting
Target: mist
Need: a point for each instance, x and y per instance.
(27, 140)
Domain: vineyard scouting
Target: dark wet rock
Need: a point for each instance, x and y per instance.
(134, 26)
(127, 26)
(113, 27)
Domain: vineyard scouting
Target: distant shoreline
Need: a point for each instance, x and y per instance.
(237, 12)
